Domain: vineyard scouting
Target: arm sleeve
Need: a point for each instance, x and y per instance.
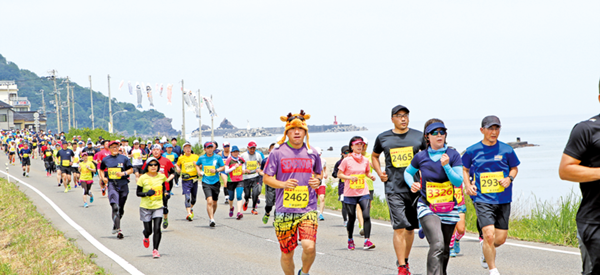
(139, 191)
(229, 169)
(409, 175)
(454, 174)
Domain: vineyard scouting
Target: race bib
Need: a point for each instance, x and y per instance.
(25, 155)
(66, 162)
(439, 192)
(458, 194)
(401, 157)
(112, 173)
(144, 157)
(296, 197)
(12, 149)
(136, 155)
(490, 182)
(359, 183)
(207, 171)
(252, 165)
(189, 167)
(171, 157)
(76, 159)
(157, 194)
(237, 171)
(48, 154)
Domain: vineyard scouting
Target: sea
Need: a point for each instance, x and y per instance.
(537, 179)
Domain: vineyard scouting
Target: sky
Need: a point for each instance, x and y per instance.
(352, 59)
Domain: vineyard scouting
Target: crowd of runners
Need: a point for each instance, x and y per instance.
(425, 181)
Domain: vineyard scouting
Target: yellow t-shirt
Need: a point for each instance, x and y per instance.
(85, 173)
(155, 183)
(188, 165)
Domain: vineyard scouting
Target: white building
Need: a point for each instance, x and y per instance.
(9, 93)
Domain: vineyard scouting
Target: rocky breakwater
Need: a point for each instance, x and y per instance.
(254, 132)
(345, 128)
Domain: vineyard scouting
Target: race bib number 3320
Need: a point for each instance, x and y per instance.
(401, 157)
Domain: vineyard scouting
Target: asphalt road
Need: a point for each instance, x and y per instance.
(248, 246)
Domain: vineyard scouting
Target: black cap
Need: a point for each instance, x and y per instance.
(399, 108)
(123, 139)
(345, 148)
(490, 121)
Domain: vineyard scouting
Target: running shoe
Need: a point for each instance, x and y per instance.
(91, 198)
(321, 218)
(254, 212)
(146, 242)
(403, 270)
(115, 231)
(457, 246)
(69, 186)
(246, 206)
(345, 223)
(239, 216)
(362, 232)
(300, 271)
(189, 217)
(494, 272)
(212, 223)
(452, 252)
(192, 211)
(226, 200)
(421, 233)
(27, 175)
(24, 173)
(165, 223)
(155, 254)
(120, 234)
(265, 219)
(85, 205)
(74, 185)
(351, 244)
(368, 245)
(103, 191)
(231, 212)
(482, 260)
(66, 190)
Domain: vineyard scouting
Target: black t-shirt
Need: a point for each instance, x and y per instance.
(584, 145)
(112, 164)
(399, 150)
(65, 156)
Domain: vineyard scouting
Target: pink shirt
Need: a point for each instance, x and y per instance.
(350, 167)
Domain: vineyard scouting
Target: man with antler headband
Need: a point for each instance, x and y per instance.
(295, 171)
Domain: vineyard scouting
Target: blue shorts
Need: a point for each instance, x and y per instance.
(355, 200)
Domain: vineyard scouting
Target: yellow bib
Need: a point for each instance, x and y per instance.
(440, 192)
(490, 182)
(48, 154)
(458, 194)
(237, 171)
(207, 171)
(189, 167)
(295, 198)
(401, 157)
(171, 157)
(112, 173)
(358, 184)
(252, 165)
(25, 155)
(66, 162)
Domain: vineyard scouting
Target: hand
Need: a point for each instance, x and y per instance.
(88, 167)
(314, 183)
(415, 187)
(372, 177)
(291, 183)
(445, 159)
(352, 178)
(120, 174)
(471, 189)
(325, 177)
(383, 176)
(247, 171)
(505, 182)
(150, 193)
(212, 171)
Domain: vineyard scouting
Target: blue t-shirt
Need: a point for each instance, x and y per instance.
(480, 159)
(25, 151)
(172, 157)
(433, 171)
(213, 162)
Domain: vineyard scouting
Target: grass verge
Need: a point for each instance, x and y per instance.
(29, 244)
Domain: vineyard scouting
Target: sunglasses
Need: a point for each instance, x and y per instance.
(346, 152)
(438, 132)
(152, 165)
(293, 117)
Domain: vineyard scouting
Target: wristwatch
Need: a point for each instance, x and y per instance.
(511, 178)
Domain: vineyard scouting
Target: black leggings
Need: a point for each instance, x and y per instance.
(166, 197)
(344, 212)
(157, 232)
(438, 236)
(351, 209)
(86, 188)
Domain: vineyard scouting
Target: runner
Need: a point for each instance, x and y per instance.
(224, 176)
(235, 167)
(211, 165)
(25, 154)
(252, 186)
(186, 165)
(371, 189)
(579, 163)
(294, 171)
(177, 150)
(334, 174)
(150, 187)
(65, 158)
(322, 190)
(168, 169)
(354, 170)
(49, 161)
(399, 146)
(55, 149)
(269, 191)
(98, 157)
(34, 147)
(12, 150)
(136, 158)
(116, 169)
(441, 169)
(75, 166)
(494, 165)
(86, 169)
(170, 155)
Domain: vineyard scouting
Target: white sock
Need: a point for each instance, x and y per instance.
(494, 271)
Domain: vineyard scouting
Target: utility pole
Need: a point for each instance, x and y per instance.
(73, 102)
(69, 102)
(43, 102)
(182, 111)
(212, 124)
(92, 102)
(110, 107)
(60, 129)
(200, 119)
(56, 102)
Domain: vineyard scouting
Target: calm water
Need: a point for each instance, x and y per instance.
(538, 172)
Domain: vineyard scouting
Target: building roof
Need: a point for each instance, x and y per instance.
(4, 105)
(27, 116)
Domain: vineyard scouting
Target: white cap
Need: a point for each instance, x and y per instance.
(365, 140)
(136, 141)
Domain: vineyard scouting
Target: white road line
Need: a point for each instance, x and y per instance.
(472, 238)
(120, 261)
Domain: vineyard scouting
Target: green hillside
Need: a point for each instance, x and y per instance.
(144, 122)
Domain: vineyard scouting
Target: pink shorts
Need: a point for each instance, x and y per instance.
(321, 190)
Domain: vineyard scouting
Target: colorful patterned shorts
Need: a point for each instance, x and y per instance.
(290, 226)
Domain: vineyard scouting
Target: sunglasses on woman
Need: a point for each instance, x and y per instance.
(438, 132)
(153, 164)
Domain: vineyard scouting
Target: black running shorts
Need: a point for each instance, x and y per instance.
(492, 214)
(403, 214)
